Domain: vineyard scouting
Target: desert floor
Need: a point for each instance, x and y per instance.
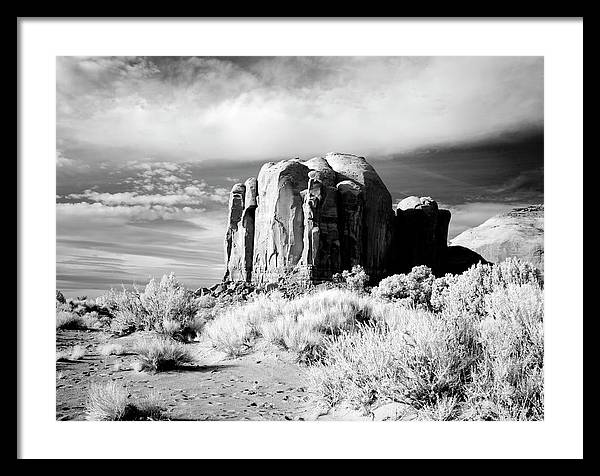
(265, 385)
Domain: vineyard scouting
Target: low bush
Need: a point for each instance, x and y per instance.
(74, 353)
(167, 303)
(110, 402)
(164, 306)
(465, 293)
(111, 349)
(413, 288)
(69, 320)
(298, 325)
(354, 279)
(162, 354)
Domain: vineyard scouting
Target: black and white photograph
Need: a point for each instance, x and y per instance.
(300, 239)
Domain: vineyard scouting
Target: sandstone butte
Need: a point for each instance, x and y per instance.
(304, 220)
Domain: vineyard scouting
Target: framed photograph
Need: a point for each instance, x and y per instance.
(273, 227)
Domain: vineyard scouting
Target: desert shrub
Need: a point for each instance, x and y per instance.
(236, 328)
(164, 306)
(355, 279)
(231, 333)
(69, 320)
(111, 349)
(60, 298)
(413, 288)
(465, 293)
(161, 354)
(206, 302)
(479, 355)
(78, 352)
(111, 402)
(74, 353)
(126, 308)
(167, 302)
(508, 380)
(297, 325)
(91, 320)
(414, 358)
(443, 409)
(106, 401)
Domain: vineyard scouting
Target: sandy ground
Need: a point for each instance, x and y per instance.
(265, 385)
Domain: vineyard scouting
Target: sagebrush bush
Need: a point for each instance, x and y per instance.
(73, 353)
(164, 306)
(69, 320)
(78, 352)
(91, 320)
(465, 293)
(162, 354)
(106, 402)
(298, 324)
(416, 361)
(508, 381)
(126, 308)
(167, 302)
(355, 279)
(111, 402)
(413, 288)
(111, 349)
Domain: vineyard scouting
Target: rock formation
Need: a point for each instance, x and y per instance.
(518, 233)
(239, 241)
(421, 234)
(309, 219)
(305, 220)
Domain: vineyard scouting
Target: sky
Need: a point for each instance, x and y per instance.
(149, 147)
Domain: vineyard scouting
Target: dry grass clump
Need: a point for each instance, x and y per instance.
(111, 402)
(297, 325)
(235, 330)
(69, 320)
(162, 354)
(76, 352)
(111, 349)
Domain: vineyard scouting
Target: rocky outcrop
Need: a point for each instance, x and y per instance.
(302, 221)
(420, 234)
(309, 219)
(239, 240)
(518, 233)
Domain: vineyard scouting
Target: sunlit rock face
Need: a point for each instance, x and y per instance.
(279, 224)
(308, 219)
(239, 240)
(518, 233)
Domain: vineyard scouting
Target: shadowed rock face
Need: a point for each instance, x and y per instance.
(517, 233)
(421, 234)
(457, 259)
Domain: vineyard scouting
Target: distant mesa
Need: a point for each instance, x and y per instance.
(305, 220)
(518, 233)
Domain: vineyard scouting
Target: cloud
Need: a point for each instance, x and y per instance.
(152, 184)
(240, 108)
